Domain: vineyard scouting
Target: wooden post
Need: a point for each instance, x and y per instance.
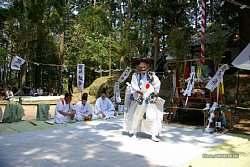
(237, 91)
(110, 54)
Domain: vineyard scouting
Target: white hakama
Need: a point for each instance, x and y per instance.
(106, 106)
(59, 118)
(82, 110)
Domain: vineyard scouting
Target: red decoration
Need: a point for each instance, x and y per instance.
(203, 22)
(147, 85)
(187, 71)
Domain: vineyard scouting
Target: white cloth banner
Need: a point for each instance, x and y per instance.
(80, 76)
(16, 63)
(125, 74)
(117, 92)
(218, 77)
(190, 85)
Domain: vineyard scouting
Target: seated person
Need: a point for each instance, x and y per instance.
(8, 94)
(104, 108)
(39, 91)
(64, 111)
(83, 109)
(33, 92)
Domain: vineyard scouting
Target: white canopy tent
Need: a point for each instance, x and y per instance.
(243, 60)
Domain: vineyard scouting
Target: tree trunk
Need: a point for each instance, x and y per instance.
(4, 72)
(110, 55)
(156, 40)
(23, 75)
(121, 17)
(61, 48)
(212, 10)
(129, 9)
(196, 15)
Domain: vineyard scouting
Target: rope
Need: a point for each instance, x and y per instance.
(203, 22)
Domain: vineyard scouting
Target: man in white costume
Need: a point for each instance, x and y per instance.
(146, 109)
(83, 109)
(104, 108)
(64, 111)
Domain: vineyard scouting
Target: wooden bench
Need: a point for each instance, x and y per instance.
(228, 115)
(173, 110)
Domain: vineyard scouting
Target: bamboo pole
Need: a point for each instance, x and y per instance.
(110, 42)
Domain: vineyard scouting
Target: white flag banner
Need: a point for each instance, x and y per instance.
(117, 92)
(125, 74)
(16, 63)
(218, 77)
(190, 85)
(80, 76)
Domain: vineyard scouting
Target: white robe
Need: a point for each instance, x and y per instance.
(105, 106)
(82, 110)
(61, 105)
(129, 108)
(152, 124)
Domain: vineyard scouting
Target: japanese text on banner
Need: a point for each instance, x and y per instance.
(218, 77)
(125, 74)
(80, 76)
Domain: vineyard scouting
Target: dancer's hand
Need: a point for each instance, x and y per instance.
(140, 92)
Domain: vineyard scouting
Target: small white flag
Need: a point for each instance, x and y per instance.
(80, 76)
(16, 63)
(125, 74)
(218, 77)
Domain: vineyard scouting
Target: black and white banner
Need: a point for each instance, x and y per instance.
(16, 63)
(190, 85)
(125, 74)
(80, 76)
(218, 77)
(117, 92)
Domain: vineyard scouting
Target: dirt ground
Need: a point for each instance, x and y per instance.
(30, 111)
(242, 115)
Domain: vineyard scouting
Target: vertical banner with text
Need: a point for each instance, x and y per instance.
(80, 76)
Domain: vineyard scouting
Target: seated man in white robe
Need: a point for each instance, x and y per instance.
(104, 108)
(83, 109)
(64, 111)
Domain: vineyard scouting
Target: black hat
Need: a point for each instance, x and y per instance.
(84, 96)
(145, 60)
(68, 95)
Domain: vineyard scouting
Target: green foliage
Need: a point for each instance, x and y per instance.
(215, 42)
(3, 53)
(179, 43)
(72, 32)
(91, 38)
